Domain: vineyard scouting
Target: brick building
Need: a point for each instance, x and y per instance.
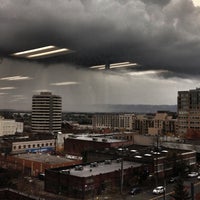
(78, 145)
(188, 103)
(157, 161)
(87, 181)
(34, 163)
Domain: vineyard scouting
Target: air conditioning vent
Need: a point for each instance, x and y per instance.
(108, 162)
(95, 164)
(66, 171)
(79, 168)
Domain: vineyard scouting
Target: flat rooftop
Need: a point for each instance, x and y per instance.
(100, 168)
(24, 138)
(43, 158)
(139, 153)
(96, 139)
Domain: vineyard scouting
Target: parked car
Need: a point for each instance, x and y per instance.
(159, 190)
(135, 191)
(28, 178)
(193, 174)
(41, 176)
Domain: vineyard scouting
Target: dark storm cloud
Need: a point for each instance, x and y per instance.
(157, 34)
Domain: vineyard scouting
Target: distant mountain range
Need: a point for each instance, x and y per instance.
(112, 108)
(140, 108)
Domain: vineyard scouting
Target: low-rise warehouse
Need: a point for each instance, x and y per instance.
(35, 163)
(84, 181)
(78, 144)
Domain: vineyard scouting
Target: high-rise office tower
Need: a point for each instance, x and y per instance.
(46, 113)
(189, 111)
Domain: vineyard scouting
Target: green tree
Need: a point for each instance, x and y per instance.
(180, 192)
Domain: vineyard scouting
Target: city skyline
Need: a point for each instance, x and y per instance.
(162, 37)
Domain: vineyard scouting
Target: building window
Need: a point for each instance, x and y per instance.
(42, 144)
(47, 144)
(50, 144)
(24, 146)
(33, 145)
(38, 145)
(19, 146)
(14, 147)
(29, 146)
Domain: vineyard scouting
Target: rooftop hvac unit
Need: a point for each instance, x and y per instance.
(66, 171)
(79, 168)
(108, 162)
(95, 164)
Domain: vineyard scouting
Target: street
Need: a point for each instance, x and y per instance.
(148, 195)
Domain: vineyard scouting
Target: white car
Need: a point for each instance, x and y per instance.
(193, 174)
(159, 190)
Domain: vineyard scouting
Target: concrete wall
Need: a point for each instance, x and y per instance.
(143, 140)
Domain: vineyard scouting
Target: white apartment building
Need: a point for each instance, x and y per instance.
(113, 121)
(10, 127)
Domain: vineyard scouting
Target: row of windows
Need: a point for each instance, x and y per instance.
(18, 147)
(194, 127)
(195, 122)
(124, 137)
(184, 127)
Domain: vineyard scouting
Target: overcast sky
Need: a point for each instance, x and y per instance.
(163, 37)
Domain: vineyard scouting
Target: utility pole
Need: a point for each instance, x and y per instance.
(156, 168)
(192, 191)
(122, 175)
(164, 194)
